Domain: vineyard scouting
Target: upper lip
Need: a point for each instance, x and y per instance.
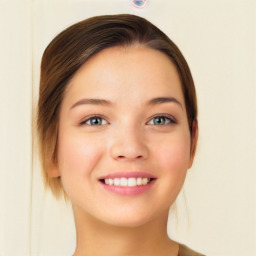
(128, 174)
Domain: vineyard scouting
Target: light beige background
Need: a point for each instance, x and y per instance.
(218, 39)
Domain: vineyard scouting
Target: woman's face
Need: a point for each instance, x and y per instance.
(123, 119)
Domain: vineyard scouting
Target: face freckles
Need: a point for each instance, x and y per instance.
(122, 112)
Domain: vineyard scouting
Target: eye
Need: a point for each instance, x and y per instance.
(161, 120)
(94, 121)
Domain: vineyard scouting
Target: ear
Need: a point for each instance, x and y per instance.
(194, 137)
(53, 170)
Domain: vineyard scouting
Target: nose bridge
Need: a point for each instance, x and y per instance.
(128, 142)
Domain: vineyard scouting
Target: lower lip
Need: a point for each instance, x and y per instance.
(129, 191)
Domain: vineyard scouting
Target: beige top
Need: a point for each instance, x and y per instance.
(185, 251)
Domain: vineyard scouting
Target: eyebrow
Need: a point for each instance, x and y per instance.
(160, 100)
(102, 102)
(92, 102)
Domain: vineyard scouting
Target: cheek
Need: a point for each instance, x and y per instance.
(77, 155)
(174, 156)
(175, 162)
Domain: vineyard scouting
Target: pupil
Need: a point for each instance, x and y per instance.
(159, 120)
(96, 121)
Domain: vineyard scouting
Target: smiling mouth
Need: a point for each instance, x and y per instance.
(127, 182)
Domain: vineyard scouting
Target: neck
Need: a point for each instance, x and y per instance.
(97, 238)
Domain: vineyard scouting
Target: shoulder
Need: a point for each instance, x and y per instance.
(185, 251)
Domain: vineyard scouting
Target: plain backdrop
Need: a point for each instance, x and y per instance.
(216, 209)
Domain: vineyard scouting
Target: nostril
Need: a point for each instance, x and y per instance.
(136, 157)
(129, 148)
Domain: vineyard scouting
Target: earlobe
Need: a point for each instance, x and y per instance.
(194, 138)
(53, 170)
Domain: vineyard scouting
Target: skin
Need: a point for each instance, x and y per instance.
(128, 139)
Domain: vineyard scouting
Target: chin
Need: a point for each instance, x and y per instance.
(133, 219)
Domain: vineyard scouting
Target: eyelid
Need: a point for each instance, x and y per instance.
(86, 119)
(171, 119)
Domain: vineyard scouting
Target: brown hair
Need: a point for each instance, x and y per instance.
(70, 49)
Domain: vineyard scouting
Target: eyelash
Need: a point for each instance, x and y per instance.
(168, 120)
(91, 118)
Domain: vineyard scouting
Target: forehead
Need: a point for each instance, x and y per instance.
(122, 72)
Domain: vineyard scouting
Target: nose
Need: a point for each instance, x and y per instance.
(128, 145)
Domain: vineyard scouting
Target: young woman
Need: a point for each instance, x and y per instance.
(117, 125)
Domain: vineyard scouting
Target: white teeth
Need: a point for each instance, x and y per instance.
(127, 182)
(139, 181)
(116, 181)
(132, 182)
(123, 182)
(144, 181)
